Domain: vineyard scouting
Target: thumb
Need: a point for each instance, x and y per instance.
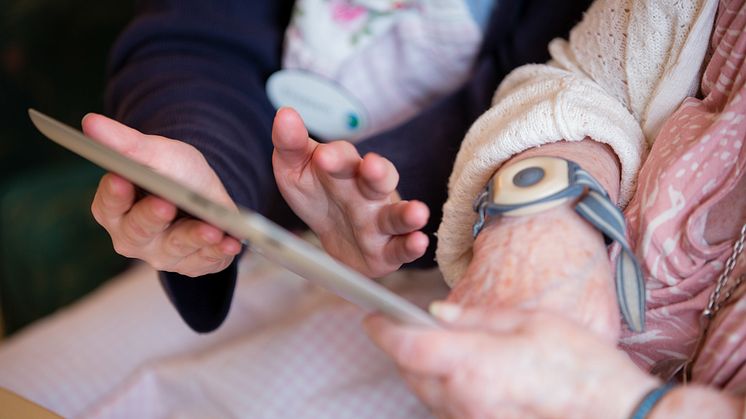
(293, 146)
(119, 137)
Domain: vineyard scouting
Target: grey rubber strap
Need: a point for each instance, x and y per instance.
(598, 210)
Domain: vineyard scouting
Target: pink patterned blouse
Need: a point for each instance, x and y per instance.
(697, 159)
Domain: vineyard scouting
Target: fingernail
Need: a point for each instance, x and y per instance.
(445, 311)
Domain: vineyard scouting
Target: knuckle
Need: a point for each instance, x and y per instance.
(135, 229)
(394, 176)
(158, 216)
(123, 249)
(213, 259)
(414, 349)
(161, 265)
(95, 211)
(177, 245)
(347, 146)
(157, 265)
(194, 271)
(99, 210)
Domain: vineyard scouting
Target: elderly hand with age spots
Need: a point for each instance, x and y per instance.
(512, 363)
(502, 363)
(531, 328)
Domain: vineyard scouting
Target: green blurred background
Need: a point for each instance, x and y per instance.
(53, 58)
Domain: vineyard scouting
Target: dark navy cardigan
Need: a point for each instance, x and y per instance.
(195, 70)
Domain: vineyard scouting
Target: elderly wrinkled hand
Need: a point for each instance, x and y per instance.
(511, 363)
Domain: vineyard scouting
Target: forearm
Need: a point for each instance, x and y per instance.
(552, 260)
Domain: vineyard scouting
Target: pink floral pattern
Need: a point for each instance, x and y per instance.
(696, 160)
(357, 18)
(345, 12)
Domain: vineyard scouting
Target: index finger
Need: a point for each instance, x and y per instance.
(505, 320)
(422, 350)
(502, 320)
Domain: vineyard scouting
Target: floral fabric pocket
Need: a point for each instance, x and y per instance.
(387, 58)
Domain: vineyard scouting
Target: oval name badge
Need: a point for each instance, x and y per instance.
(328, 109)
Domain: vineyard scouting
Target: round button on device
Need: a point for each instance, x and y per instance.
(526, 183)
(529, 176)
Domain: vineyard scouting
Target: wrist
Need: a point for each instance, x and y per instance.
(622, 398)
(596, 158)
(531, 185)
(593, 158)
(553, 260)
(650, 400)
(696, 401)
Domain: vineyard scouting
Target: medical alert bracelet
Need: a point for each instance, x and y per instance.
(537, 184)
(648, 402)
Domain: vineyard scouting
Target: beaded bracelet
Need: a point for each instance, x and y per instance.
(650, 400)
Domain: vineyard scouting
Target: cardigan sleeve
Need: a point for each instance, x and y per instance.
(626, 66)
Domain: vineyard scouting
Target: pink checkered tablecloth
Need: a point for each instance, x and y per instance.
(287, 349)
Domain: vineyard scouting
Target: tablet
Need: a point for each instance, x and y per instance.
(264, 236)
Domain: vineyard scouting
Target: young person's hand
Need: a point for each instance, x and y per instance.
(350, 202)
(147, 228)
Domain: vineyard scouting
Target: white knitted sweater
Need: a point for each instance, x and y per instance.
(625, 68)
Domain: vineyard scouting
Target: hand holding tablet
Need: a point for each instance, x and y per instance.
(264, 236)
(147, 227)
